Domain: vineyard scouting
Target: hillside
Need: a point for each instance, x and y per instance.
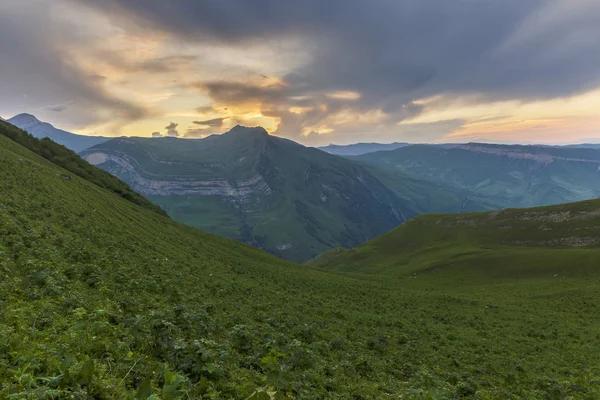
(40, 130)
(432, 196)
(504, 243)
(101, 298)
(505, 176)
(272, 193)
(74, 164)
(360, 148)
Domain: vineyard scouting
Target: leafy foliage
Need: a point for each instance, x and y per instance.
(101, 298)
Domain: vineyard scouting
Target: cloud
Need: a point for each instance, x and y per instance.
(156, 134)
(38, 72)
(231, 92)
(413, 133)
(393, 51)
(210, 123)
(335, 67)
(57, 108)
(172, 130)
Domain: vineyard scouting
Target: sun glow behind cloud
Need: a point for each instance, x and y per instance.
(126, 69)
(544, 120)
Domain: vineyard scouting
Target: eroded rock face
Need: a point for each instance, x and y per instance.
(127, 169)
(541, 158)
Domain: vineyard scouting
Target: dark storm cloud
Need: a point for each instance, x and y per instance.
(390, 53)
(241, 93)
(395, 51)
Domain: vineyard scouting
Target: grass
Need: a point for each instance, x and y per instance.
(70, 161)
(102, 298)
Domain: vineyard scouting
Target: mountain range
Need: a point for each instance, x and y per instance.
(506, 175)
(40, 129)
(105, 297)
(360, 148)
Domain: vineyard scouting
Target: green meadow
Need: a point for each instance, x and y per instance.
(104, 297)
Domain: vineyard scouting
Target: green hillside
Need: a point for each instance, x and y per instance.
(272, 193)
(533, 276)
(101, 298)
(494, 176)
(70, 161)
(516, 240)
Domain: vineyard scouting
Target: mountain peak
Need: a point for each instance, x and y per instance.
(24, 119)
(245, 130)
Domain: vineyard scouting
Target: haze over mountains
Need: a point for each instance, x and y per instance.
(509, 176)
(360, 148)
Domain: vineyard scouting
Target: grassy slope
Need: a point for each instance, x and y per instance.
(90, 276)
(101, 298)
(498, 180)
(533, 272)
(69, 160)
(507, 233)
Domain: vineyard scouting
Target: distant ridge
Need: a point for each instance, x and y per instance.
(357, 149)
(40, 129)
(508, 175)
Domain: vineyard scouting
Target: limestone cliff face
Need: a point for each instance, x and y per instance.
(128, 169)
(539, 156)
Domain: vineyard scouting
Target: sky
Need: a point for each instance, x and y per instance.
(314, 71)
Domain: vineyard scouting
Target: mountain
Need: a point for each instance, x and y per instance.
(40, 129)
(506, 176)
(270, 192)
(584, 146)
(103, 298)
(360, 148)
